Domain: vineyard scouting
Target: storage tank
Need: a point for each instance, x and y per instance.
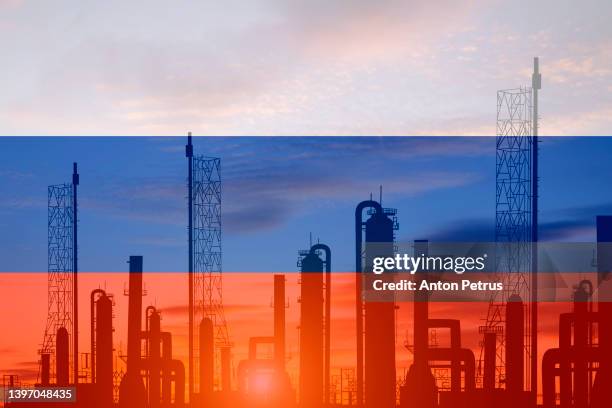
(62, 357)
(311, 330)
(104, 350)
(379, 355)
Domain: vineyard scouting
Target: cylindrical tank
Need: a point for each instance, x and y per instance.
(132, 393)
(207, 356)
(490, 341)
(311, 331)
(515, 334)
(104, 351)
(279, 321)
(155, 365)
(45, 369)
(62, 357)
(380, 391)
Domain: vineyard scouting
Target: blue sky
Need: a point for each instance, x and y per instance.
(278, 190)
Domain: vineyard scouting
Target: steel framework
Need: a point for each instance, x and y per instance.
(207, 253)
(513, 220)
(60, 254)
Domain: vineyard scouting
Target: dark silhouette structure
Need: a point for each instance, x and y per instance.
(102, 346)
(264, 382)
(379, 316)
(132, 391)
(315, 326)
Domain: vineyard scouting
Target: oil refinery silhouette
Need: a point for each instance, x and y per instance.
(577, 374)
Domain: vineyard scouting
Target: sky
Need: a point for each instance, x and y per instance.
(275, 67)
(276, 191)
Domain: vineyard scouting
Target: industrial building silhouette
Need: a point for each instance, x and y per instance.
(576, 374)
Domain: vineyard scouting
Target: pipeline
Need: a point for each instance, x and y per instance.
(455, 334)
(92, 330)
(581, 354)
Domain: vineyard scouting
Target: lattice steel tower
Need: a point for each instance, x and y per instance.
(516, 221)
(61, 276)
(205, 261)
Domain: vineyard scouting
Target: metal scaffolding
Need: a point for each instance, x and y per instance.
(207, 255)
(60, 268)
(513, 222)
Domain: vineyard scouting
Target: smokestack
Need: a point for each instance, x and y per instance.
(134, 314)
(359, 224)
(207, 359)
(515, 334)
(132, 393)
(380, 384)
(311, 331)
(104, 351)
(279, 321)
(62, 357)
(45, 369)
(154, 362)
(603, 378)
(490, 341)
(75, 269)
(189, 155)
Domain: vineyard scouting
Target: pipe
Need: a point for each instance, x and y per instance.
(75, 268)
(154, 358)
(455, 334)
(549, 372)
(327, 323)
(358, 289)
(536, 84)
(581, 343)
(179, 380)
(566, 321)
(92, 330)
(189, 155)
(177, 370)
(457, 355)
(255, 341)
(551, 358)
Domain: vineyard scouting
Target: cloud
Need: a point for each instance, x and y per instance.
(567, 224)
(267, 181)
